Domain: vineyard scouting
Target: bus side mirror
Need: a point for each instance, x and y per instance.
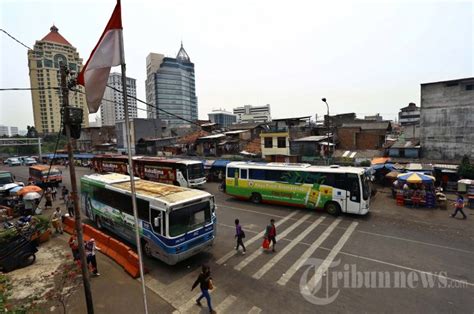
(156, 221)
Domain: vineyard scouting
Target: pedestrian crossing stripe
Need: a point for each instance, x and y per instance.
(286, 249)
(307, 254)
(257, 253)
(259, 236)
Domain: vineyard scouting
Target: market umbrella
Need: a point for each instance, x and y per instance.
(31, 196)
(15, 190)
(392, 175)
(30, 188)
(390, 167)
(415, 177)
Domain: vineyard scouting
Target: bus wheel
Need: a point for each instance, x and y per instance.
(98, 222)
(256, 198)
(146, 248)
(333, 208)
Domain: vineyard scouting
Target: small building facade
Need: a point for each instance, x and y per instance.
(409, 115)
(362, 135)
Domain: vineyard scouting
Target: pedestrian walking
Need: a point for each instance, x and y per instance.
(270, 233)
(49, 198)
(56, 219)
(74, 245)
(239, 235)
(70, 205)
(91, 249)
(205, 283)
(64, 193)
(54, 191)
(458, 207)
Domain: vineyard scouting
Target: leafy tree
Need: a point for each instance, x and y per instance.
(466, 170)
(31, 131)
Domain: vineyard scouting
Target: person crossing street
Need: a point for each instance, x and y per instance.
(239, 235)
(270, 233)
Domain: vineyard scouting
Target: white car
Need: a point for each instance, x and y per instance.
(13, 162)
(29, 161)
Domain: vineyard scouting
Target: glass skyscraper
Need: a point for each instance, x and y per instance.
(170, 86)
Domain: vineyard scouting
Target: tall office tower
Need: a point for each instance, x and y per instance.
(170, 86)
(112, 109)
(44, 61)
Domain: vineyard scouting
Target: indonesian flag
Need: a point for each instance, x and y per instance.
(106, 54)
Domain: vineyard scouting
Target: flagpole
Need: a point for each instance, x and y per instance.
(130, 170)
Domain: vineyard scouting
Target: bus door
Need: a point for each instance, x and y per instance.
(158, 222)
(353, 192)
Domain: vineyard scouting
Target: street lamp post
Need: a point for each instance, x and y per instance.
(327, 107)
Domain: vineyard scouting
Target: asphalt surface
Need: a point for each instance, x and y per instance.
(395, 259)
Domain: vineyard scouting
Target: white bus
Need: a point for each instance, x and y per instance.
(334, 188)
(175, 222)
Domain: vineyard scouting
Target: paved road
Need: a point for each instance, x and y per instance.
(393, 260)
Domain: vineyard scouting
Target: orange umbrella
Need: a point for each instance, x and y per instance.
(29, 188)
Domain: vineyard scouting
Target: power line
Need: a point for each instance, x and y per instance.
(28, 88)
(11, 36)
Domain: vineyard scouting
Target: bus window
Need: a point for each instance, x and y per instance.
(340, 181)
(243, 173)
(257, 174)
(353, 186)
(231, 172)
(189, 218)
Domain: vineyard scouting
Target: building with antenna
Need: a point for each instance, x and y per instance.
(170, 86)
(43, 63)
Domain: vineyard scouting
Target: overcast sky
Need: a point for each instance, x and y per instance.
(364, 57)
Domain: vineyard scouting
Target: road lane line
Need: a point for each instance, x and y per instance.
(251, 211)
(416, 241)
(224, 305)
(258, 252)
(259, 236)
(294, 268)
(186, 307)
(286, 249)
(313, 282)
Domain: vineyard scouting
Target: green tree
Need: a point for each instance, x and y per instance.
(466, 170)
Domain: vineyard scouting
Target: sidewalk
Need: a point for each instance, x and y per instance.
(114, 291)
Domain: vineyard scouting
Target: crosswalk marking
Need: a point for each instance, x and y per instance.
(259, 236)
(174, 293)
(186, 307)
(286, 249)
(294, 268)
(328, 260)
(227, 303)
(257, 253)
(255, 310)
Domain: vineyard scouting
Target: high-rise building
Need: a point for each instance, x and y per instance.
(4, 130)
(44, 61)
(249, 113)
(112, 109)
(170, 86)
(222, 118)
(13, 131)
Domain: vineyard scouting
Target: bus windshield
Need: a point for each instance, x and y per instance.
(189, 218)
(5, 178)
(365, 186)
(195, 171)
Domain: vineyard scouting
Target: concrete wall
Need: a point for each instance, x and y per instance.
(447, 120)
(357, 139)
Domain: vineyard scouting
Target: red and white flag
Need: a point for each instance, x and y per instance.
(106, 54)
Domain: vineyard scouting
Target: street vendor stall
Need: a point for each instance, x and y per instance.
(415, 189)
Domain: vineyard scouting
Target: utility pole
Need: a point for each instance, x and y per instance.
(74, 194)
(327, 106)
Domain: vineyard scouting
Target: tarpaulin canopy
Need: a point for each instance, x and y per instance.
(222, 163)
(379, 160)
(387, 166)
(415, 177)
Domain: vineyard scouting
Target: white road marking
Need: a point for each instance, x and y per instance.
(252, 211)
(328, 260)
(294, 268)
(255, 310)
(258, 252)
(286, 249)
(224, 305)
(407, 268)
(186, 308)
(259, 236)
(416, 241)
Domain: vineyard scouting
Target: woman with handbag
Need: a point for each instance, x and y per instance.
(239, 235)
(205, 283)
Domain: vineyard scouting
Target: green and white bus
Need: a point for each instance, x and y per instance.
(174, 222)
(334, 188)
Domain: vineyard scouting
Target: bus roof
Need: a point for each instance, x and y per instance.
(295, 167)
(166, 193)
(42, 167)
